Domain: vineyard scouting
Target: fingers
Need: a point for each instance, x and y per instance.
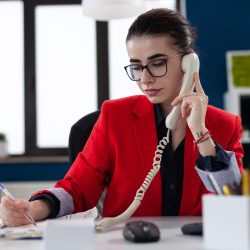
(187, 104)
(192, 96)
(185, 109)
(199, 94)
(14, 205)
(179, 98)
(197, 84)
(22, 204)
(12, 211)
(12, 221)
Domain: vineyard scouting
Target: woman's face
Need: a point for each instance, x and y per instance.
(144, 49)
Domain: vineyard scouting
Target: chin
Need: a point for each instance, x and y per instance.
(154, 99)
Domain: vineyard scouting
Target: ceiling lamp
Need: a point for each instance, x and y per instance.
(104, 10)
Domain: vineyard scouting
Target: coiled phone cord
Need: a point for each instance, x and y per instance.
(108, 221)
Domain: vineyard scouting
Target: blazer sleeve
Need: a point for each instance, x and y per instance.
(83, 184)
(235, 153)
(235, 144)
(86, 178)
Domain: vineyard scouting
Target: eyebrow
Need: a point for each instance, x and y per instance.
(149, 58)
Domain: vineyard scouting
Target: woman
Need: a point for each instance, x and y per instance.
(122, 145)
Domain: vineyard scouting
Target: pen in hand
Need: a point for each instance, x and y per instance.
(25, 213)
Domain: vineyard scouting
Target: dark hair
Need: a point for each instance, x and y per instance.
(164, 21)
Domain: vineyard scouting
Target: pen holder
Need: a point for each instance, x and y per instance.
(75, 234)
(226, 222)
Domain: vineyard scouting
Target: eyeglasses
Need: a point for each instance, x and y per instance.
(156, 68)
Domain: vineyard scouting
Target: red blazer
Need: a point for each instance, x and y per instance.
(122, 146)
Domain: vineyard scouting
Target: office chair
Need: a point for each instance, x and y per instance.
(79, 134)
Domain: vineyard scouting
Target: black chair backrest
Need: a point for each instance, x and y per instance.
(79, 134)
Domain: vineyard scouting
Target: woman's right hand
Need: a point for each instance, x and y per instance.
(12, 212)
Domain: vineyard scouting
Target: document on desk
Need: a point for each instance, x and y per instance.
(30, 232)
(21, 233)
(89, 214)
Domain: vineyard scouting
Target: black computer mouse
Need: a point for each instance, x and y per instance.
(141, 231)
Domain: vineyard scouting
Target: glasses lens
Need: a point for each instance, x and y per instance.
(155, 68)
(158, 67)
(134, 72)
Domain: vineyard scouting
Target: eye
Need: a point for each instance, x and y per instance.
(135, 67)
(158, 63)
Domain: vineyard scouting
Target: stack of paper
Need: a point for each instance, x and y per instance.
(29, 231)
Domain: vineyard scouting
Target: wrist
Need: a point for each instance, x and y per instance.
(202, 137)
(39, 209)
(204, 143)
(198, 132)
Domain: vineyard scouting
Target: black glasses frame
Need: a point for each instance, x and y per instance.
(146, 67)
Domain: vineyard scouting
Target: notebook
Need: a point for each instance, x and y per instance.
(31, 232)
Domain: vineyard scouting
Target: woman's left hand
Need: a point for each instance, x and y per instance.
(194, 106)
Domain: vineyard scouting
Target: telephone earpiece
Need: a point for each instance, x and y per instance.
(190, 63)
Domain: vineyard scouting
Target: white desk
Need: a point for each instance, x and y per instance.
(171, 238)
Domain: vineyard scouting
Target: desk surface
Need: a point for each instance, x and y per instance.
(171, 238)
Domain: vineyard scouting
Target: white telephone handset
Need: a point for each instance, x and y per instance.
(190, 63)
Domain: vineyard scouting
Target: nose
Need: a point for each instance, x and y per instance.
(146, 77)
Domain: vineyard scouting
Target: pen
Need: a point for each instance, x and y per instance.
(25, 213)
(248, 181)
(227, 190)
(214, 183)
(245, 183)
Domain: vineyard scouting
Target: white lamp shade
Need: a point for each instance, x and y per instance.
(104, 10)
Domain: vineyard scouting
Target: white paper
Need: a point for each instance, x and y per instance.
(29, 231)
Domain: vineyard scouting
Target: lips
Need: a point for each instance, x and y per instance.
(152, 92)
